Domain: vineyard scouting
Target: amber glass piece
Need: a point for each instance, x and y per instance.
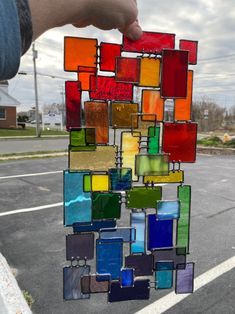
(150, 42)
(84, 74)
(123, 115)
(152, 103)
(79, 51)
(127, 70)
(173, 177)
(96, 116)
(129, 148)
(174, 73)
(179, 140)
(183, 107)
(101, 159)
(149, 72)
(191, 46)
(73, 104)
(106, 88)
(108, 54)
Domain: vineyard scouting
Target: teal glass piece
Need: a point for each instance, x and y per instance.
(154, 139)
(184, 196)
(142, 197)
(82, 139)
(152, 165)
(168, 210)
(77, 203)
(121, 179)
(164, 275)
(106, 205)
(138, 222)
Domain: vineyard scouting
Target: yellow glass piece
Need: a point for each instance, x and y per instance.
(99, 182)
(149, 72)
(130, 148)
(173, 177)
(101, 159)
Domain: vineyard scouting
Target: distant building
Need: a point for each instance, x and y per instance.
(8, 106)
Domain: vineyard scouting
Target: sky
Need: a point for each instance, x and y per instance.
(210, 22)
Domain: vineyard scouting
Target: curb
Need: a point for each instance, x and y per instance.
(11, 297)
(17, 157)
(215, 150)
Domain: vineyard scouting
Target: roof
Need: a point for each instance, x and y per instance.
(6, 100)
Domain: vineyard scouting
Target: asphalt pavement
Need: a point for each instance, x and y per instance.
(34, 242)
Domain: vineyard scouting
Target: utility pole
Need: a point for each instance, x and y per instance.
(35, 55)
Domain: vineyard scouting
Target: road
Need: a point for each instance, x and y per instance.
(34, 242)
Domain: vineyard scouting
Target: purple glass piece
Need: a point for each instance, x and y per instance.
(140, 291)
(143, 264)
(185, 279)
(80, 246)
(177, 255)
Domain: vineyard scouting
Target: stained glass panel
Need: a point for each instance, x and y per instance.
(148, 165)
(108, 54)
(99, 182)
(150, 42)
(92, 284)
(160, 233)
(138, 224)
(122, 115)
(168, 210)
(127, 234)
(84, 75)
(82, 139)
(174, 73)
(141, 197)
(185, 279)
(192, 47)
(127, 277)
(154, 140)
(80, 246)
(95, 225)
(173, 177)
(152, 103)
(106, 205)
(164, 275)
(149, 72)
(142, 264)
(176, 255)
(120, 179)
(127, 70)
(73, 104)
(79, 52)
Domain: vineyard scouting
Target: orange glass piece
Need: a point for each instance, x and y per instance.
(152, 103)
(96, 116)
(149, 72)
(79, 52)
(84, 74)
(183, 107)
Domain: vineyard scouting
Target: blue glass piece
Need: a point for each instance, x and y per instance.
(94, 226)
(138, 222)
(164, 275)
(120, 179)
(160, 233)
(126, 233)
(77, 204)
(72, 282)
(140, 291)
(168, 210)
(109, 255)
(127, 277)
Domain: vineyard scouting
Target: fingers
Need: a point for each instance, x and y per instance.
(133, 31)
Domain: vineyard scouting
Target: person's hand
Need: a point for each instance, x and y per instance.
(103, 14)
(112, 14)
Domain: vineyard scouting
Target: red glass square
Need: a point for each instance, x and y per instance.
(73, 104)
(96, 116)
(128, 70)
(150, 42)
(108, 54)
(192, 47)
(179, 140)
(174, 73)
(106, 88)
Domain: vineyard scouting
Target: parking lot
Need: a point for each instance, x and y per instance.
(32, 237)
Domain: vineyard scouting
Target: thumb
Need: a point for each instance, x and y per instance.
(132, 31)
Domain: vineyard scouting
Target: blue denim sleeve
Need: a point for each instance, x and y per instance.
(10, 39)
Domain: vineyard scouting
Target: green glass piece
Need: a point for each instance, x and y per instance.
(106, 205)
(152, 165)
(153, 143)
(141, 197)
(87, 183)
(82, 139)
(184, 195)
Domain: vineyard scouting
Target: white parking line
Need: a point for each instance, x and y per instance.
(30, 175)
(32, 209)
(171, 299)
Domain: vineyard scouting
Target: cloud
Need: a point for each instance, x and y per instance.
(211, 22)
